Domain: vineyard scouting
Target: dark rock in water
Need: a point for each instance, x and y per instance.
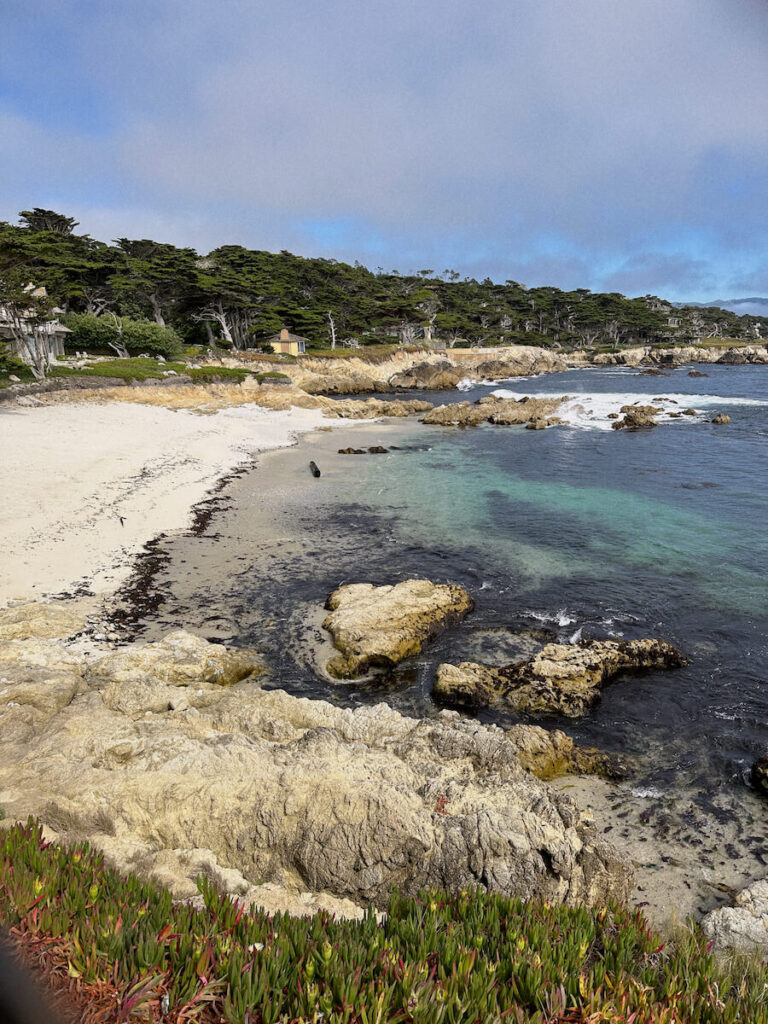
(722, 418)
(760, 774)
(351, 451)
(313, 468)
(653, 372)
(378, 449)
(637, 416)
(613, 415)
(564, 678)
(374, 450)
(697, 373)
(690, 412)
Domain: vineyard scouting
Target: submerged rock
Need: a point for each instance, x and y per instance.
(744, 926)
(380, 626)
(697, 373)
(269, 789)
(722, 418)
(562, 678)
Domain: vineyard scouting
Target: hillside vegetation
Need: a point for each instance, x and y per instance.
(238, 297)
(126, 951)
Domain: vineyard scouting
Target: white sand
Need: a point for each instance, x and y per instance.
(69, 472)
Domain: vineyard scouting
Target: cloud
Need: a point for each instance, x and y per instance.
(622, 141)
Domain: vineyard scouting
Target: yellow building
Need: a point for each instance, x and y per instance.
(287, 343)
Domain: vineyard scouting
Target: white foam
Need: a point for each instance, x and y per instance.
(559, 618)
(647, 792)
(593, 410)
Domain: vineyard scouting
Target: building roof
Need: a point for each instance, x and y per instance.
(285, 335)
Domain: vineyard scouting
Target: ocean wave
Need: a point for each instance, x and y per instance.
(558, 618)
(598, 410)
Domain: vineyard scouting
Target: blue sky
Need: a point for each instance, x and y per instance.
(611, 144)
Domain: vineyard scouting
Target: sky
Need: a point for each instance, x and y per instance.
(617, 145)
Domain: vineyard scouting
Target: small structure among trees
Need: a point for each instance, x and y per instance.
(287, 343)
(28, 321)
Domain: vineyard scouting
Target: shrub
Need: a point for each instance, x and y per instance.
(435, 959)
(97, 333)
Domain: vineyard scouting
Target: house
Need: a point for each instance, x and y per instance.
(287, 343)
(51, 332)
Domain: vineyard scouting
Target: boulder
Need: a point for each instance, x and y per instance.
(562, 678)
(744, 926)
(493, 409)
(653, 372)
(637, 416)
(37, 619)
(759, 774)
(690, 412)
(380, 626)
(722, 418)
(178, 659)
(457, 414)
(697, 373)
(262, 788)
(550, 754)
(438, 375)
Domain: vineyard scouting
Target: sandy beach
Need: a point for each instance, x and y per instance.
(86, 486)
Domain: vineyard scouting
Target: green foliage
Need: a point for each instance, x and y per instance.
(92, 333)
(238, 297)
(437, 959)
(10, 365)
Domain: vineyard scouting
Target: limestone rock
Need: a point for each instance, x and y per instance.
(304, 795)
(722, 418)
(457, 414)
(744, 926)
(492, 409)
(562, 678)
(437, 375)
(178, 660)
(550, 754)
(374, 626)
(36, 619)
(373, 408)
(341, 381)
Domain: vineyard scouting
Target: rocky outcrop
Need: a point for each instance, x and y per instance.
(37, 619)
(550, 754)
(380, 626)
(562, 678)
(637, 416)
(721, 418)
(179, 659)
(441, 375)
(744, 926)
(259, 788)
(499, 411)
(697, 373)
(341, 381)
(373, 408)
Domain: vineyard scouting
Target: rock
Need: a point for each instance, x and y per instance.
(36, 619)
(373, 408)
(177, 660)
(378, 449)
(380, 626)
(722, 418)
(536, 425)
(263, 789)
(500, 411)
(690, 412)
(653, 372)
(613, 415)
(697, 373)
(550, 754)
(352, 451)
(562, 678)
(637, 416)
(760, 774)
(14, 379)
(341, 381)
(742, 927)
(439, 375)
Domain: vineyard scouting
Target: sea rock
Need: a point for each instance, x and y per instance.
(352, 451)
(439, 375)
(690, 412)
(373, 408)
(742, 927)
(373, 626)
(722, 418)
(550, 754)
(178, 659)
(269, 789)
(760, 773)
(536, 425)
(637, 416)
(492, 409)
(697, 373)
(36, 619)
(562, 678)
(653, 372)
(341, 381)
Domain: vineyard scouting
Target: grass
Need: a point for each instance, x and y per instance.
(142, 369)
(124, 944)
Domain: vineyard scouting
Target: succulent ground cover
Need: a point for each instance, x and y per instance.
(122, 950)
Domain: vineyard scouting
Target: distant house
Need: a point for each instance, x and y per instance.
(287, 343)
(51, 333)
